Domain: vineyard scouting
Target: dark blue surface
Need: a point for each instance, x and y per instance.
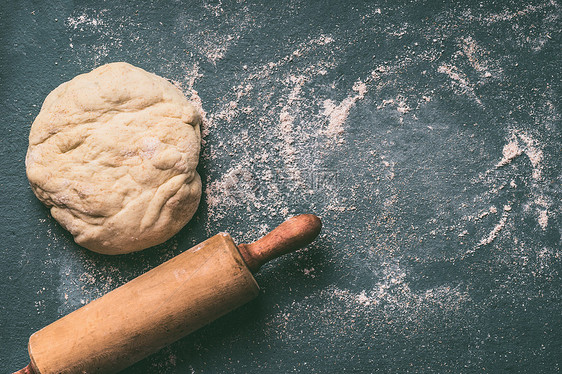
(427, 137)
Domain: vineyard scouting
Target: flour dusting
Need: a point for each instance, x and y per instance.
(542, 208)
(510, 151)
(83, 20)
(496, 230)
(520, 143)
(337, 114)
(459, 81)
(390, 301)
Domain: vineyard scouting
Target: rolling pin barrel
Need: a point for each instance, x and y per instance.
(162, 305)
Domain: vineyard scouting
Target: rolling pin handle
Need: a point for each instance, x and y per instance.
(295, 233)
(26, 370)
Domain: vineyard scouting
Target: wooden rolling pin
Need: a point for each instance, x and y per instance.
(162, 305)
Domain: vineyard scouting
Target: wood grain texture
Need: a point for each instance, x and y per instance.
(148, 313)
(295, 233)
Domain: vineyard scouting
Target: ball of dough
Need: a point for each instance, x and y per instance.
(113, 154)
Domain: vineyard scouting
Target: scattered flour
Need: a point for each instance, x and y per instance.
(520, 142)
(390, 303)
(543, 218)
(508, 15)
(510, 151)
(83, 20)
(534, 153)
(294, 127)
(496, 230)
(542, 211)
(460, 81)
(213, 36)
(287, 129)
(479, 59)
(187, 86)
(337, 114)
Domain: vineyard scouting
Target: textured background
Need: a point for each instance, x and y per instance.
(427, 136)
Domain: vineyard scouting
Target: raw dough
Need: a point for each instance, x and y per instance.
(113, 154)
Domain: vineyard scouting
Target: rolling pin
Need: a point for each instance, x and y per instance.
(162, 305)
